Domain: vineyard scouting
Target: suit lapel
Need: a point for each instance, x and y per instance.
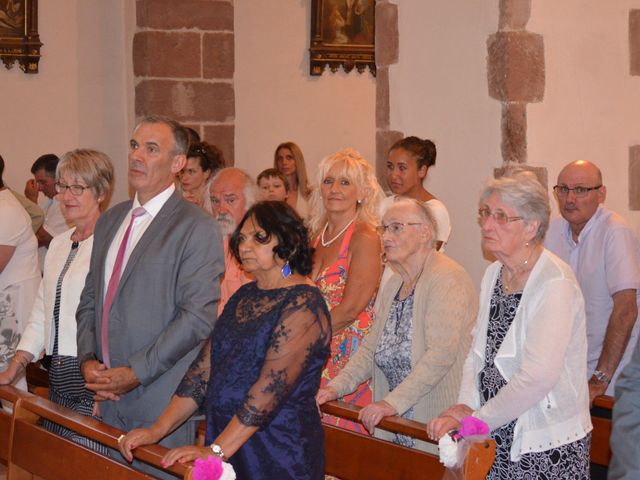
(159, 224)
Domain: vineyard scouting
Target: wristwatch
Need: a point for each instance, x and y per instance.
(217, 451)
(602, 377)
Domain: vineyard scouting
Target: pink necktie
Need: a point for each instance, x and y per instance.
(112, 288)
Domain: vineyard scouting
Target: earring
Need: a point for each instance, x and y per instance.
(359, 202)
(286, 270)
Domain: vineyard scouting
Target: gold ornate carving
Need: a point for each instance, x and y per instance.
(19, 39)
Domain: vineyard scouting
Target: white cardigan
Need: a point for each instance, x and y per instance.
(543, 358)
(38, 332)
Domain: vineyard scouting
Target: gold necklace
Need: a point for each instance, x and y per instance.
(509, 285)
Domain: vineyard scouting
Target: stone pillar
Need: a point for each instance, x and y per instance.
(515, 74)
(183, 64)
(387, 45)
(634, 150)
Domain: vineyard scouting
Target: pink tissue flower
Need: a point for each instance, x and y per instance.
(209, 469)
(471, 426)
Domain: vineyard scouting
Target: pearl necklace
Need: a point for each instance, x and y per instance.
(326, 225)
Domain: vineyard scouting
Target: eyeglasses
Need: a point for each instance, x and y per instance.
(500, 217)
(76, 190)
(394, 228)
(563, 190)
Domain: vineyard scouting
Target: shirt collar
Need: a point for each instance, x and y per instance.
(154, 205)
(586, 229)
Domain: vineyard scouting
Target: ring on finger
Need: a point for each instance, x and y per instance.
(120, 438)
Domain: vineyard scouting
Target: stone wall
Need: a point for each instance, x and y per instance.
(184, 65)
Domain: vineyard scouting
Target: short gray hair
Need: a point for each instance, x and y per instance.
(251, 191)
(521, 190)
(180, 134)
(422, 209)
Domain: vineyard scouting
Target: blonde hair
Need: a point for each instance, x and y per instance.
(93, 167)
(358, 171)
(301, 168)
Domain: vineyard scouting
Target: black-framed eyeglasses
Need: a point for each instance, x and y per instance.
(394, 228)
(76, 190)
(500, 217)
(563, 190)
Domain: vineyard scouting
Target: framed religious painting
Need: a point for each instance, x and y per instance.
(342, 34)
(19, 39)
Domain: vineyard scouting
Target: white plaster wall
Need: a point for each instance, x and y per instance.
(438, 90)
(591, 107)
(276, 98)
(82, 96)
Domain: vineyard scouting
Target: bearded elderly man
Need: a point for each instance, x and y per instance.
(605, 256)
(150, 297)
(232, 193)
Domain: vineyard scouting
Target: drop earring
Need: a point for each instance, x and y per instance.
(285, 271)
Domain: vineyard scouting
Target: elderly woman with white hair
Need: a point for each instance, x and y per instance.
(416, 349)
(525, 375)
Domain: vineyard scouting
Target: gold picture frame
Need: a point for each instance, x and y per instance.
(342, 34)
(19, 38)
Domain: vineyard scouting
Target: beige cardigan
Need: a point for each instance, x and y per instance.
(444, 312)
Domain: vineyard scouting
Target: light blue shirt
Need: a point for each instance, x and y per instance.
(606, 260)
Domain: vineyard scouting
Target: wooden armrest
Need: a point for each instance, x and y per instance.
(604, 401)
(96, 430)
(394, 424)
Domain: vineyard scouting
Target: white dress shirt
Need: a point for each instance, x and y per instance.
(140, 225)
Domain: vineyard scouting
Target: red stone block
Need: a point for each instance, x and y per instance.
(186, 101)
(382, 98)
(515, 66)
(223, 137)
(386, 35)
(166, 54)
(514, 132)
(175, 14)
(514, 14)
(218, 55)
(634, 177)
(634, 41)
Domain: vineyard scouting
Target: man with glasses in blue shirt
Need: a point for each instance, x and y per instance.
(605, 255)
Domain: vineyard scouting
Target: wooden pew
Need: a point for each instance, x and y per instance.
(34, 452)
(600, 450)
(9, 396)
(350, 455)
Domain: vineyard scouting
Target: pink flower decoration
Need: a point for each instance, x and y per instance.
(209, 469)
(470, 426)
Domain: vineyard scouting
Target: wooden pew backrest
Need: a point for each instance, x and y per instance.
(351, 456)
(58, 458)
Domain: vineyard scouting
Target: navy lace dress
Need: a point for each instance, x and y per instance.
(265, 360)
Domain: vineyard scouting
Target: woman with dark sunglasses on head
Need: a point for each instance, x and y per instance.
(203, 161)
(526, 373)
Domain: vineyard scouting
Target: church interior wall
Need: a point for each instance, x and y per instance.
(81, 96)
(277, 100)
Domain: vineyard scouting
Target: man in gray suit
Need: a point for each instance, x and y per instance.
(151, 294)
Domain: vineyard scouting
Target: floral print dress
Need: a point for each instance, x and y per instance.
(331, 282)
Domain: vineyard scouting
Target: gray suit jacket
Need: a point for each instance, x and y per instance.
(165, 305)
(625, 434)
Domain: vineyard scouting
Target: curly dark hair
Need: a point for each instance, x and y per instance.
(280, 220)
